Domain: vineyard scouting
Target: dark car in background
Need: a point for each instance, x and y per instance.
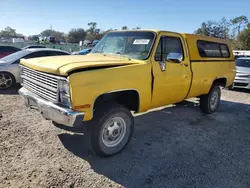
(95, 42)
(52, 39)
(7, 50)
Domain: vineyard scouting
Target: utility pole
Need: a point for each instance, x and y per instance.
(50, 30)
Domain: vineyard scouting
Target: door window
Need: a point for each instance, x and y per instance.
(168, 45)
(55, 53)
(36, 54)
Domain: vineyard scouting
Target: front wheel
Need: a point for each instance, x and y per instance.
(6, 80)
(110, 130)
(209, 103)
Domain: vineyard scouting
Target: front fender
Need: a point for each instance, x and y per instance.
(87, 86)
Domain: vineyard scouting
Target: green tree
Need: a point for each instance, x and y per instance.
(225, 28)
(92, 27)
(57, 34)
(243, 40)
(124, 28)
(76, 35)
(8, 32)
(211, 28)
(90, 37)
(239, 23)
(205, 29)
(33, 37)
(46, 33)
(248, 25)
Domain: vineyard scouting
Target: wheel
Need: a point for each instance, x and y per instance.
(210, 102)
(7, 80)
(110, 130)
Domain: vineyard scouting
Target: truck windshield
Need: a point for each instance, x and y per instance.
(132, 44)
(242, 62)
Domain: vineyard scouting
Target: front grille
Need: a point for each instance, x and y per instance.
(243, 76)
(41, 84)
(241, 84)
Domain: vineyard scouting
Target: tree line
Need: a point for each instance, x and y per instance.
(73, 36)
(237, 30)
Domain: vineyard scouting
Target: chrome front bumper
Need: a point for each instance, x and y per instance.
(51, 111)
(241, 82)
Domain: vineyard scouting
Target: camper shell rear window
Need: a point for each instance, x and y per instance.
(212, 49)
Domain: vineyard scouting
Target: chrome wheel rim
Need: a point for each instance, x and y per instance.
(5, 81)
(214, 99)
(113, 132)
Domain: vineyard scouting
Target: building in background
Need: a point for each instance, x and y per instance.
(241, 53)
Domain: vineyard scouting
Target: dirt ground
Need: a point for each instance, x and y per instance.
(171, 147)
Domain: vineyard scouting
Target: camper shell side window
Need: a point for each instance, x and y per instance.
(208, 49)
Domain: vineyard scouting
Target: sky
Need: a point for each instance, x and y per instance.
(30, 17)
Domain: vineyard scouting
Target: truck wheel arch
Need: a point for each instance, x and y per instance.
(220, 81)
(129, 98)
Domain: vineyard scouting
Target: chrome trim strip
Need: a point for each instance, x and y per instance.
(40, 84)
(50, 75)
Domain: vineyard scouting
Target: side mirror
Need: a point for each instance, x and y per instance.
(175, 57)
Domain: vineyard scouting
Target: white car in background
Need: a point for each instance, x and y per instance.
(242, 78)
(9, 65)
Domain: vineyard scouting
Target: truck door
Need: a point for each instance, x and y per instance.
(172, 78)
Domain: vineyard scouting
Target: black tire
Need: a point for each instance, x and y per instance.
(208, 104)
(12, 82)
(95, 129)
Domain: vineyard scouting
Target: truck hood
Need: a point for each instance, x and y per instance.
(62, 65)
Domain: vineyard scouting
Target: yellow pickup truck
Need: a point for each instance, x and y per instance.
(126, 72)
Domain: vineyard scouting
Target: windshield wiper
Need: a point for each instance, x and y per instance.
(119, 52)
(122, 54)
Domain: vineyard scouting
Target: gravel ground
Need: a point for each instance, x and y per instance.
(171, 147)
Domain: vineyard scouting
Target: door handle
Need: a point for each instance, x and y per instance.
(162, 65)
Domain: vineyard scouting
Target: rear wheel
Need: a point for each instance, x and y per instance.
(209, 103)
(110, 130)
(7, 80)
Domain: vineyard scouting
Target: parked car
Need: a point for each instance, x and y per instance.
(6, 50)
(86, 43)
(9, 65)
(83, 51)
(47, 40)
(51, 39)
(33, 46)
(242, 78)
(95, 42)
(127, 71)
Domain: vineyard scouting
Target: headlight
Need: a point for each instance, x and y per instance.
(64, 86)
(64, 93)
